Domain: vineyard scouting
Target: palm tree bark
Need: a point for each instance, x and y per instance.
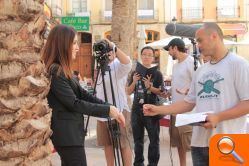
(24, 113)
(124, 22)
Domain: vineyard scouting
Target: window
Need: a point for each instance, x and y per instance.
(145, 9)
(191, 10)
(146, 5)
(108, 5)
(151, 37)
(227, 8)
(79, 6)
(56, 7)
(86, 37)
(108, 10)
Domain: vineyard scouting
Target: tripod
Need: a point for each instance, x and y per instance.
(113, 126)
(194, 53)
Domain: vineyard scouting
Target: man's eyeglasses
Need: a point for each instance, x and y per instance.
(147, 56)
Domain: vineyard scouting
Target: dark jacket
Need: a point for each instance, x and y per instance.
(69, 102)
(149, 98)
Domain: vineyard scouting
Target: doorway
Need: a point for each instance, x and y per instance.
(83, 61)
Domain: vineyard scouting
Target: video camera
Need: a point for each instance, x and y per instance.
(101, 50)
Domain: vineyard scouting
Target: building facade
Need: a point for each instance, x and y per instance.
(154, 15)
(231, 15)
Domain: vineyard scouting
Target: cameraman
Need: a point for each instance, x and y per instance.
(120, 66)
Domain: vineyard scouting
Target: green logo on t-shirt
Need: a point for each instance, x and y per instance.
(208, 87)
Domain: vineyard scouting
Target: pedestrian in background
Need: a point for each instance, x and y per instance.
(182, 74)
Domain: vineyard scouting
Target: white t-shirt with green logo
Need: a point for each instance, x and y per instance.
(181, 77)
(218, 87)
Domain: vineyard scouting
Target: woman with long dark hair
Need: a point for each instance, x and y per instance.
(69, 102)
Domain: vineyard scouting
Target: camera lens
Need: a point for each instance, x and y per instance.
(100, 47)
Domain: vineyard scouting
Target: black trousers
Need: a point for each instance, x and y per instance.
(200, 156)
(72, 155)
(151, 124)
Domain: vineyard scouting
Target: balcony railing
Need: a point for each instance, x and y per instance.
(56, 10)
(192, 13)
(79, 14)
(106, 16)
(84, 14)
(147, 15)
(227, 12)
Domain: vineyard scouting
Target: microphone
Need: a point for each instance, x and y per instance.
(181, 30)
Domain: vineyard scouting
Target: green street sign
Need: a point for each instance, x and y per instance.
(79, 23)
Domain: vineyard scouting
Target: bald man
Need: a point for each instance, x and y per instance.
(220, 86)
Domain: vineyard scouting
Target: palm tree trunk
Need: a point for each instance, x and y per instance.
(24, 114)
(124, 22)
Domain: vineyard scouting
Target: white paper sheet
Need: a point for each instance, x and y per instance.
(191, 119)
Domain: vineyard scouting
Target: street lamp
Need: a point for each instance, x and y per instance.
(174, 20)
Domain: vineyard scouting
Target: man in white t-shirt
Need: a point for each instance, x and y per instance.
(120, 66)
(220, 86)
(182, 73)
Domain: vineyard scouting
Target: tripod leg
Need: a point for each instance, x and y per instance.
(114, 133)
(94, 91)
(119, 141)
(116, 126)
(112, 140)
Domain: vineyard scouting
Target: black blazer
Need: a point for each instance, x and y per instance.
(69, 102)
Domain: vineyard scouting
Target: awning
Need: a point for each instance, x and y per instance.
(163, 42)
(244, 42)
(233, 29)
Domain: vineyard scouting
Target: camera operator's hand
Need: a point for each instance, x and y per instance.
(117, 53)
(114, 113)
(111, 44)
(112, 56)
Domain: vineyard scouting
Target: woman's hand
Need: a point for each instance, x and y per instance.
(114, 113)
